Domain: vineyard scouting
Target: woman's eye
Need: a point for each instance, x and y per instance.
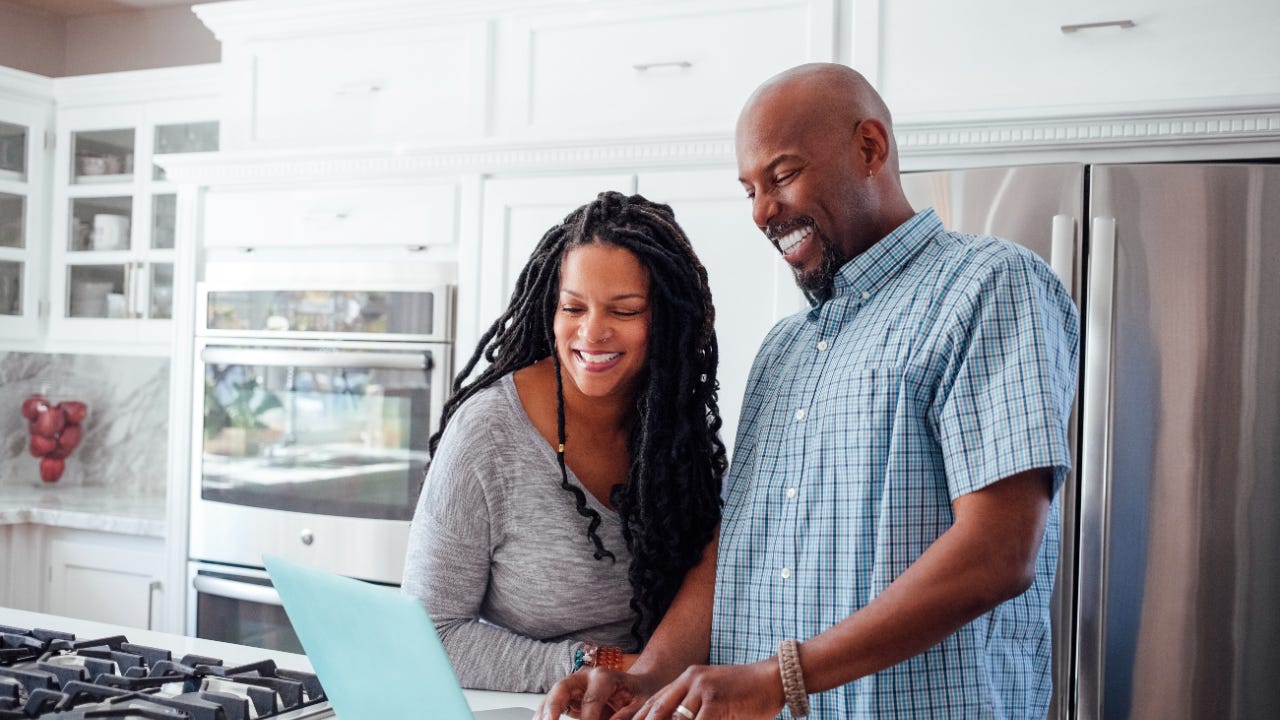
(626, 313)
(569, 309)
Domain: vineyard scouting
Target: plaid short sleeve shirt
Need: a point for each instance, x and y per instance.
(943, 363)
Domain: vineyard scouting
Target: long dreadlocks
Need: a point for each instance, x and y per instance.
(670, 504)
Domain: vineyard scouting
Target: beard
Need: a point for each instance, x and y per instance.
(818, 284)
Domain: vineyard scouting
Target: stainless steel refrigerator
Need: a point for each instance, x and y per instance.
(1167, 602)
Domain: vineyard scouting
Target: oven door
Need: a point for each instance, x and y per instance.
(313, 453)
(238, 605)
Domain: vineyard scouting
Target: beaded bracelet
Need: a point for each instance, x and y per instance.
(792, 678)
(589, 654)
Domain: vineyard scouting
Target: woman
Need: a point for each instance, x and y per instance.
(577, 478)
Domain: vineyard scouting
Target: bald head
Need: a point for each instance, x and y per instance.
(825, 98)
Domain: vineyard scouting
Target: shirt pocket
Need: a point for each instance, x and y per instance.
(856, 413)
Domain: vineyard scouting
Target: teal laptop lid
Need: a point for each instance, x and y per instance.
(374, 650)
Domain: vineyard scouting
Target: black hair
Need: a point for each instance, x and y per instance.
(670, 504)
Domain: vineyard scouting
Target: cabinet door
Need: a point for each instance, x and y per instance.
(22, 218)
(645, 68)
(516, 214)
(360, 88)
(110, 579)
(751, 286)
(1004, 57)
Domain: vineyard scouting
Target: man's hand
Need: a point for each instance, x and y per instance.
(597, 694)
(724, 691)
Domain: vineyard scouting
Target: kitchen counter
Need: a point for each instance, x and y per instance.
(83, 508)
(228, 652)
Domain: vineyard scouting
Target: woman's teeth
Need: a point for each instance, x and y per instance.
(789, 242)
(597, 357)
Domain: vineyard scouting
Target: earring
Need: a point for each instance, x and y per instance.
(869, 173)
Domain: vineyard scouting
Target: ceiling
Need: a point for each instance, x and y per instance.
(78, 8)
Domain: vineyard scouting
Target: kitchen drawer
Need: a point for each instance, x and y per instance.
(640, 69)
(382, 215)
(360, 88)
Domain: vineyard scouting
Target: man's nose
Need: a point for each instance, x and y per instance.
(763, 209)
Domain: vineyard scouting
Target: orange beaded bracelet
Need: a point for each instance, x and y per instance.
(593, 655)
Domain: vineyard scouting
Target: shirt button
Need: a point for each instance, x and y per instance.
(791, 492)
(786, 573)
(800, 414)
(865, 294)
(822, 345)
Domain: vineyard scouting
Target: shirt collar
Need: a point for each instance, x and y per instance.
(865, 274)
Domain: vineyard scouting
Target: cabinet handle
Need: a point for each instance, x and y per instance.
(128, 290)
(134, 296)
(359, 88)
(1122, 24)
(151, 601)
(678, 64)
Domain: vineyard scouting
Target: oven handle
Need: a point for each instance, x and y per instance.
(307, 358)
(248, 592)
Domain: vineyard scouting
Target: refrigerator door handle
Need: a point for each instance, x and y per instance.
(1062, 251)
(1095, 470)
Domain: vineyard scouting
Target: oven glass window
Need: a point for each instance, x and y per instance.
(244, 622)
(322, 311)
(345, 440)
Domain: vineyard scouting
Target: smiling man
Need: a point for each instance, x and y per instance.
(890, 528)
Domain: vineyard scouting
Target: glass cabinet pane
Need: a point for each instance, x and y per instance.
(13, 151)
(102, 155)
(184, 138)
(10, 288)
(97, 291)
(164, 213)
(100, 223)
(161, 305)
(13, 220)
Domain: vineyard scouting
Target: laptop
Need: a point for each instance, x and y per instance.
(345, 623)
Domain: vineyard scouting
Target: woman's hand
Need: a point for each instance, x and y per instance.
(723, 691)
(598, 694)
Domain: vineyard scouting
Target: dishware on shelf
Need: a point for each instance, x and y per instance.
(89, 298)
(110, 232)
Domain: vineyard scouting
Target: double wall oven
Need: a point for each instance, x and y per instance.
(314, 405)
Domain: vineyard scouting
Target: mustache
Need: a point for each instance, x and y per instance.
(774, 231)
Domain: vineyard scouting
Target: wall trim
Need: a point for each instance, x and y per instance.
(139, 86)
(915, 141)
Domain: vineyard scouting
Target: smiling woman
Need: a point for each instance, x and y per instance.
(576, 479)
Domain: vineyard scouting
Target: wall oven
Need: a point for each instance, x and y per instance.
(313, 408)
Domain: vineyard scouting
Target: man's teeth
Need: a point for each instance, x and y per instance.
(597, 357)
(791, 240)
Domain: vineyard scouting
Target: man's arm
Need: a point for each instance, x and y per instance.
(683, 638)
(988, 556)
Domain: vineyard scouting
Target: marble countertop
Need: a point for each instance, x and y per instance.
(83, 508)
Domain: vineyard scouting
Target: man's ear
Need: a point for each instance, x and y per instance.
(871, 145)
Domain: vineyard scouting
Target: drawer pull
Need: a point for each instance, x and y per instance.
(677, 64)
(1122, 24)
(368, 88)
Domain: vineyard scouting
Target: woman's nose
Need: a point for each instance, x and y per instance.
(594, 328)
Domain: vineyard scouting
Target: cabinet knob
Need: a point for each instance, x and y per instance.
(307, 537)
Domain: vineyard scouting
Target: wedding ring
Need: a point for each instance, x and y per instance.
(684, 712)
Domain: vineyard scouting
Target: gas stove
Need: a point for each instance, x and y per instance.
(52, 674)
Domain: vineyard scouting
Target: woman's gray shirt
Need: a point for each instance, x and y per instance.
(500, 557)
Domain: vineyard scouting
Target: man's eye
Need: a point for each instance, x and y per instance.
(785, 177)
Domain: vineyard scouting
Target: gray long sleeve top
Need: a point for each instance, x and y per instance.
(500, 557)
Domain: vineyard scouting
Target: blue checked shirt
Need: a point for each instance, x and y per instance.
(943, 363)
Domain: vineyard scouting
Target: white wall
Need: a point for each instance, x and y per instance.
(31, 41)
(159, 37)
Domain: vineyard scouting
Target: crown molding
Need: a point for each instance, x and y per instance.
(1091, 133)
(365, 164)
(21, 85)
(1054, 135)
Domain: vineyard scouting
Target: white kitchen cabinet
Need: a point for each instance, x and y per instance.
(25, 114)
(114, 213)
(751, 286)
(940, 60)
(364, 80)
(105, 577)
(410, 215)
(607, 69)
(517, 212)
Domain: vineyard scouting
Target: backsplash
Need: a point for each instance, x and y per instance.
(125, 442)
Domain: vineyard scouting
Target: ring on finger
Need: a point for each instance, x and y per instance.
(684, 712)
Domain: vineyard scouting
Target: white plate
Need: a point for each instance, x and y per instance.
(103, 179)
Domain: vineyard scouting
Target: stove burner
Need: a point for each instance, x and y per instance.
(49, 674)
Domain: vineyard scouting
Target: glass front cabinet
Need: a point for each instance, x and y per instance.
(115, 218)
(22, 139)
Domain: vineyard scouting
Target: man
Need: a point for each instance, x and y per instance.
(891, 502)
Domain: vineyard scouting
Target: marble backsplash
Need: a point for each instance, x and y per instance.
(125, 442)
